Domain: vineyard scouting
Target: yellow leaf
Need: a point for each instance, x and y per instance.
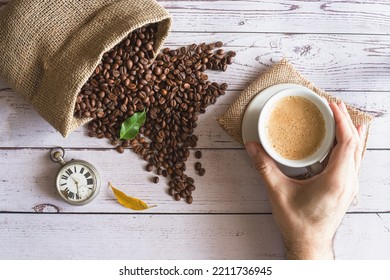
(128, 201)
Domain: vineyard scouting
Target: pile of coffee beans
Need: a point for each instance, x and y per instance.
(173, 89)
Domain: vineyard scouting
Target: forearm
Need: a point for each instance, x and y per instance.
(309, 251)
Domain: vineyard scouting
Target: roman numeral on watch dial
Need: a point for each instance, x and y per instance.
(71, 195)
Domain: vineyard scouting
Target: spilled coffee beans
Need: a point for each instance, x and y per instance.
(173, 90)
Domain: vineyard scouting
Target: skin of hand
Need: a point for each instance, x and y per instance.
(308, 212)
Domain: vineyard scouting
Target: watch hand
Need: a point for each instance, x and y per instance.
(77, 185)
(76, 181)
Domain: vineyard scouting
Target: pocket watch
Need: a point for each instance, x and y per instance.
(78, 181)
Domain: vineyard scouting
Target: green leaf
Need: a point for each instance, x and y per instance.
(131, 126)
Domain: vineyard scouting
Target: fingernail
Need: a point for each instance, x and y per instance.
(251, 149)
(342, 106)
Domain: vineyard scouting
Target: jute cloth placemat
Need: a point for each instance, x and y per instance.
(48, 49)
(282, 72)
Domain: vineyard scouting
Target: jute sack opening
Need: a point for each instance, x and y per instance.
(48, 49)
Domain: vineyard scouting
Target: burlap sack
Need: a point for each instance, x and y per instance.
(282, 72)
(48, 49)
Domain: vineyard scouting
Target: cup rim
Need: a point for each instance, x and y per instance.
(326, 112)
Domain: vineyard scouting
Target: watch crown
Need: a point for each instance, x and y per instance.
(58, 157)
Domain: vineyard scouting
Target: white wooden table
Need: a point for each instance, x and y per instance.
(342, 46)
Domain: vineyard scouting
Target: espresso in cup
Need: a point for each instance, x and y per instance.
(295, 127)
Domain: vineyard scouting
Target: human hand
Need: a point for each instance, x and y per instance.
(308, 212)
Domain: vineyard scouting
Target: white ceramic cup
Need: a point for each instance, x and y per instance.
(313, 162)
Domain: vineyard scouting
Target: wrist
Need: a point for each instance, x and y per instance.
(304, 250)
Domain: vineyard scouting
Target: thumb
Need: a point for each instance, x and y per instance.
(266, 166)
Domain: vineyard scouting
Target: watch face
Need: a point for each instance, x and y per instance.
(77, 182)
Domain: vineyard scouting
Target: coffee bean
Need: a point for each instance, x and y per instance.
(157, 71)
(115, 142)
(231, 53)
(201, 171)
(149, 167)
(171, 191)
(189, 199)
(188, 192)
(155, 180)
(177, 197)
(120, 149)
(147, 157)
(198, 166)
(191, 188)
(164, 173)
(183, 194)
(125, 143)
(198, 154)
(134, 143)
(190, 180)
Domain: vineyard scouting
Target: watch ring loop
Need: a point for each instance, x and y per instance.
(56, 149)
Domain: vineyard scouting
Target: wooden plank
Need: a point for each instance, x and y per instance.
(22, 122)
(373, 103)
(23, 127)
(361, 17)
(356, 17)
(230, 185)
(80, 236)
(363, 237)
(332, 62)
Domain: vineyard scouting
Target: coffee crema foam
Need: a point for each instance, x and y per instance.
(295, 128)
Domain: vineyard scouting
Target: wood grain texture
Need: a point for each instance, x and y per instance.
(332, 62)
(23, 127)
(230, 185)
(56, 236)
(341, 46)
(352, 17)
(281, 16)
